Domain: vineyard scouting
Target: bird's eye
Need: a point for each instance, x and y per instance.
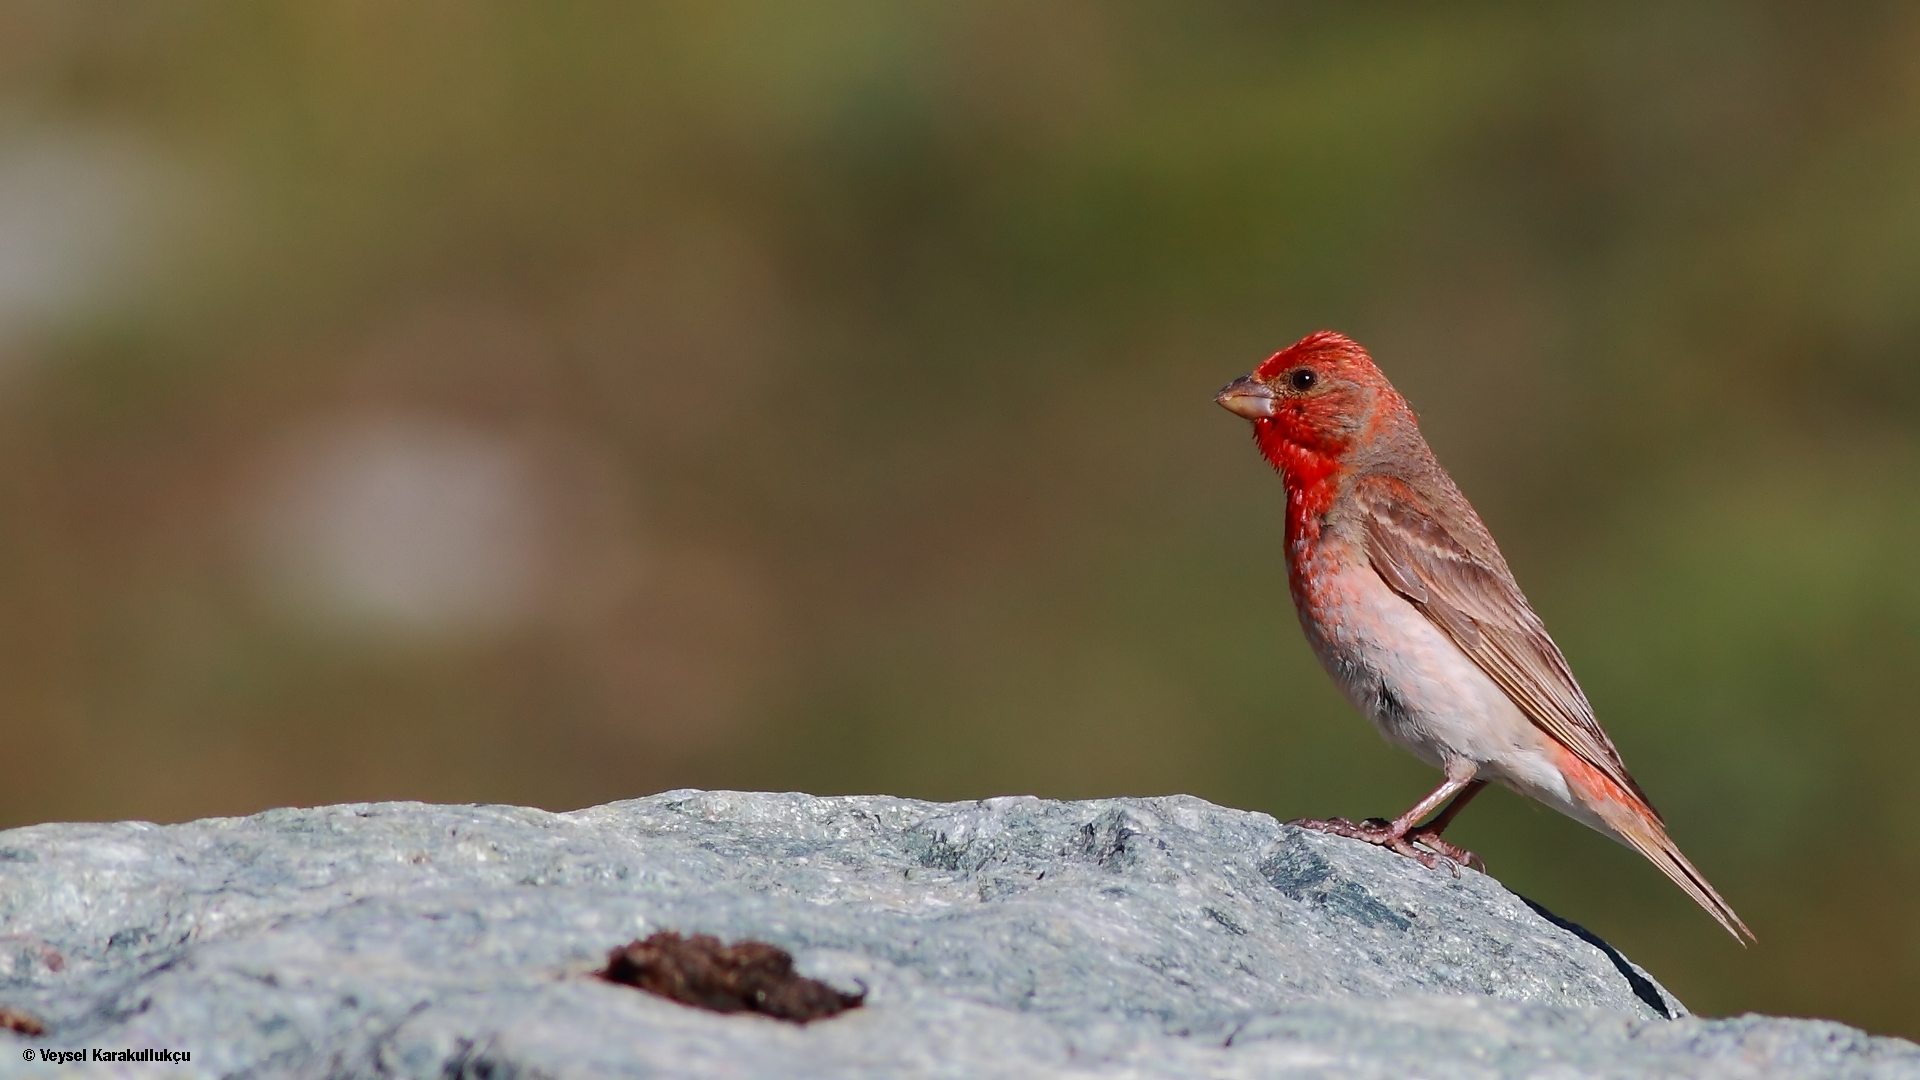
(1302, 379)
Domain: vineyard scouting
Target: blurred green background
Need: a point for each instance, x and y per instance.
(553, 403)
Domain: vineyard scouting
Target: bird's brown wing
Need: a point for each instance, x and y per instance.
(1476, 601)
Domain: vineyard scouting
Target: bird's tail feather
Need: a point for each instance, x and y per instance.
(1644, 833)
(1626, 816)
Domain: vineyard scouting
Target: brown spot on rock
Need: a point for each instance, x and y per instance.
(746, 976)
(14, 1020)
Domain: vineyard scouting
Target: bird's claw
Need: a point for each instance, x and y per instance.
(1453, 853)
(1342, 827)
(1422, 846)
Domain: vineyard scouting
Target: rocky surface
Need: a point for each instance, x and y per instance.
(1012, 937)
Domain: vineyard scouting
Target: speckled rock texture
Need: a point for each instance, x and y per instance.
(1012, 937)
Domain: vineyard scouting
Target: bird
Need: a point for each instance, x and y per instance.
(1411, 608)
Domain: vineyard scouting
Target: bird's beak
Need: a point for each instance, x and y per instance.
(1246, 397)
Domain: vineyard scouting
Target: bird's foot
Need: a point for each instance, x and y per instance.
(1452, 852)
(1430, 852)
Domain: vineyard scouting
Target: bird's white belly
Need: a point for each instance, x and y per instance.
(1406, 675)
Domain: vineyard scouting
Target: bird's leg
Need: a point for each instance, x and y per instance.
(1428, 835)
(1400, 834)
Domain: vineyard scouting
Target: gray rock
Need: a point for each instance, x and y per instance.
(1011, 937)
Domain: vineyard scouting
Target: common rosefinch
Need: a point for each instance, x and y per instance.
(1412, 610)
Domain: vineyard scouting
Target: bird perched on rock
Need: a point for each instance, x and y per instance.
(1412, 610)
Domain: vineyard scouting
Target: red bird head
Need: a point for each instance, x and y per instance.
(1319, 394)
(1320, 409)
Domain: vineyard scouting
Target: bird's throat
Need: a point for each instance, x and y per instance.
(1311, 475)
